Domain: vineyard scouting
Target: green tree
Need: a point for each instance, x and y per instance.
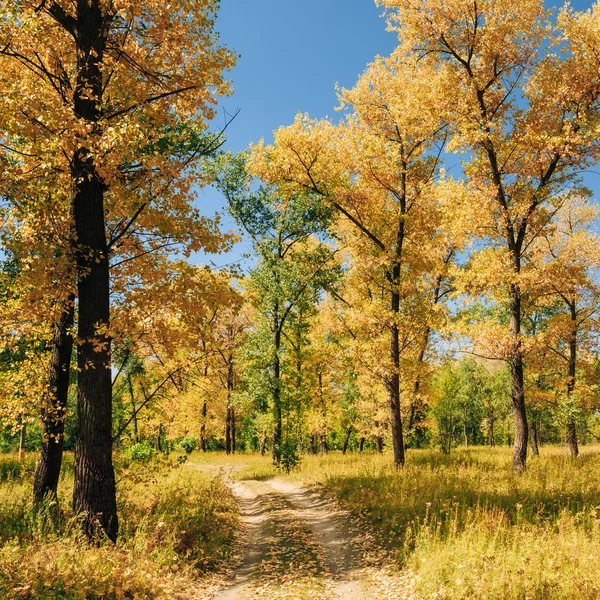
(295, 264)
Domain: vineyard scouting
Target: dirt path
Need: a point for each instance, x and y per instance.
(298, 546)
(342, 550)
(256, 544)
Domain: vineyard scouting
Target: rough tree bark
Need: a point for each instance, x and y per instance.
(47, 471)
(94, 493)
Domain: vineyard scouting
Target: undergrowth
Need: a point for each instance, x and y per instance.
(468, 527)
(177, 525)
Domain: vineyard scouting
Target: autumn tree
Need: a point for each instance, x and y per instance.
(566, 262)
(39, 307)
(293, 264)
(379, 170)
(525, 116)
(101, 79)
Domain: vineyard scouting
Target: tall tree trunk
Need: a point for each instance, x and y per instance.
(394, 380)
(22, 436)
(203, 427)
(94, 493)
(159, 438)
(263, 444)
(323, 432)
(571, 426)
(277, 412)
(361, 445)
(347, 440)
(466, 437)
(228, 431)
(230, 434)
(232, 429)
(534, 438)
(491, 440)
(204, 408)
(517, 382)
(47, 471)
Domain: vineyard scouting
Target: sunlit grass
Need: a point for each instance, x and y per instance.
(176, 524)
(469, 527)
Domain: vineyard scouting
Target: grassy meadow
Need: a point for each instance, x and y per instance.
(467, 526)
(464, 525)
(177, 527)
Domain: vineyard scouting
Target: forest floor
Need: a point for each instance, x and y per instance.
(296, 544)
(462, 526)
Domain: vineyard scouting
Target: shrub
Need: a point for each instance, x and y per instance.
(188, 444)
(176, 524)
(288, 457)
(142, 452)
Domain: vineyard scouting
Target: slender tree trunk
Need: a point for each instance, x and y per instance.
(517, 383)
(136, 436)
(230, 427)
(203, 428)
(323, 433)
(533, 436)
(22, 436)
(466, 437)
(491, 440)
(361, 445)
(394, 381)
(204, 409)
(277, 412)
(263, 444)
(379, 443)
(94, 493)
(347, 440)
(571, 426)
(228, 431)
(47, 471)
(233, 429)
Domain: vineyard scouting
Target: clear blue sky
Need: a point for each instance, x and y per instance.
(293, 52)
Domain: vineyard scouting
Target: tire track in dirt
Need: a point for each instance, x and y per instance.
(299, 545)
(342, 550)
(269, 511)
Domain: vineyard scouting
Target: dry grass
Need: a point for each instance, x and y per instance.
(177, 526)
(468, 527)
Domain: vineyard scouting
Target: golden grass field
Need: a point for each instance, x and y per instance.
(464, 525)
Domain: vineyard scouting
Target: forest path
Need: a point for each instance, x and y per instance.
(299, 546)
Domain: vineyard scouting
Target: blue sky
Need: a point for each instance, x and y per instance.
(292, 55)
(293, 52)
